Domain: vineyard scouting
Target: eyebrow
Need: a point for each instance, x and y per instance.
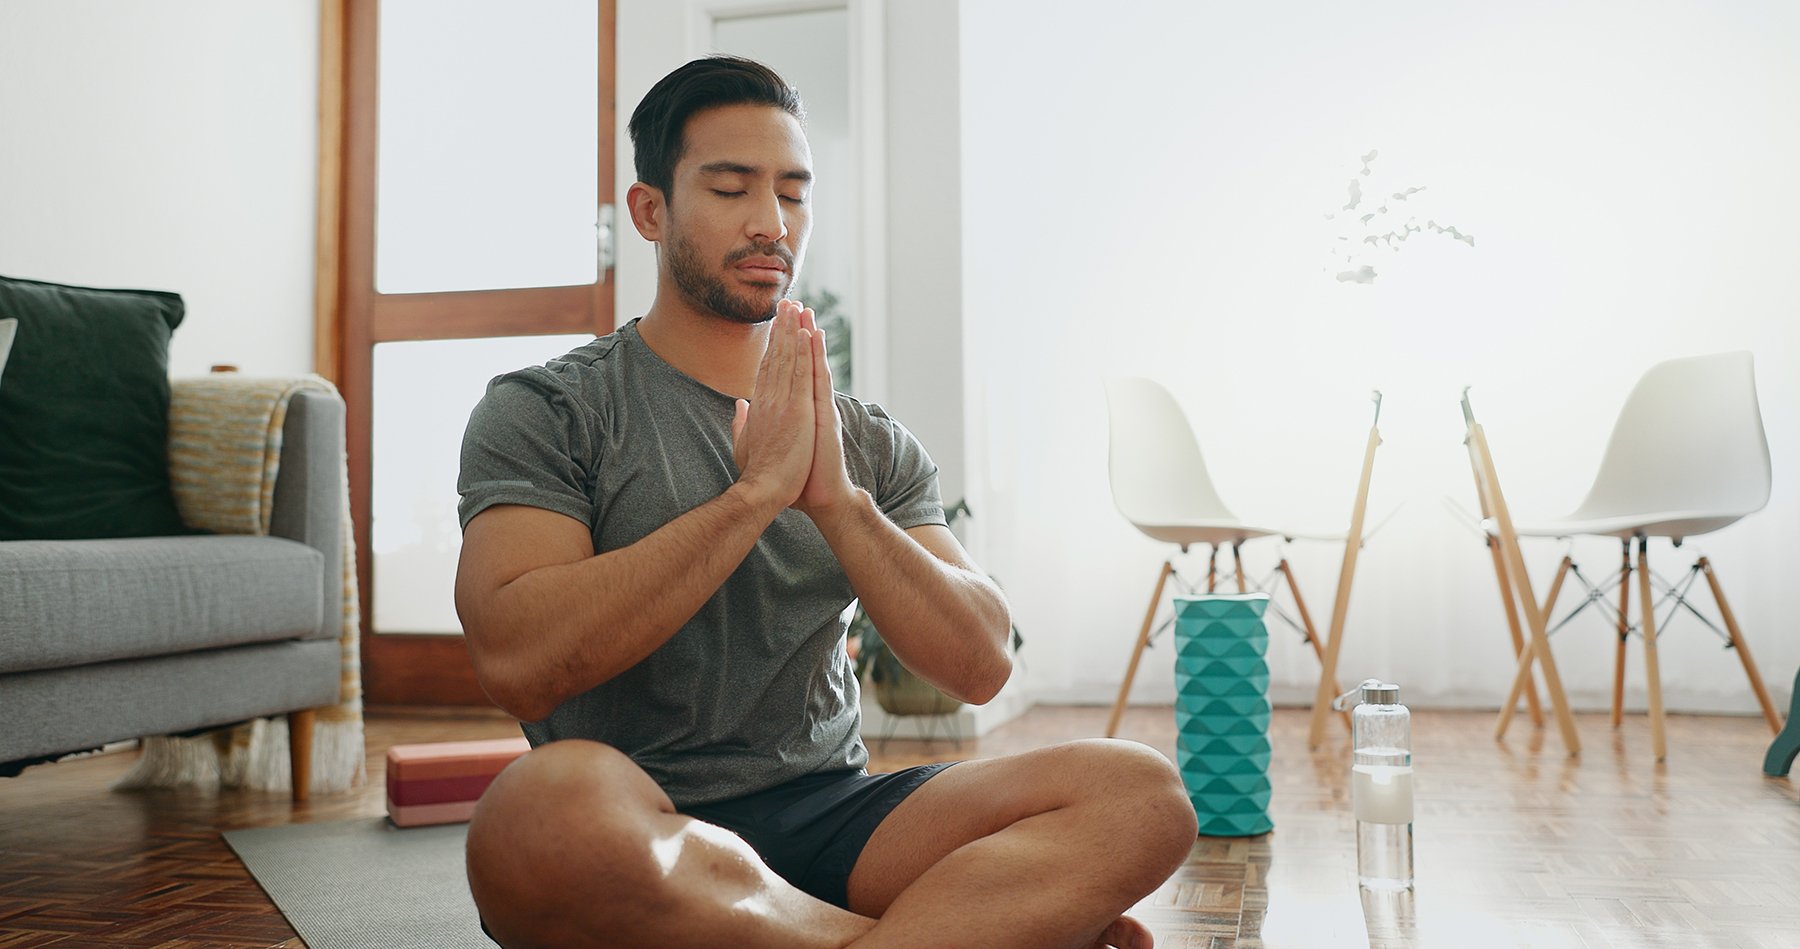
(738, 168)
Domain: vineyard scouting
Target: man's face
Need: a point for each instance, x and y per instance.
(739, 215)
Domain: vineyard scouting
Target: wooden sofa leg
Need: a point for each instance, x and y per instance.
(300, 739)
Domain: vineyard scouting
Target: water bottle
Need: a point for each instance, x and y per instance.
(1381, 786)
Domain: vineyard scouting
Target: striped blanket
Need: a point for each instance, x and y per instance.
(225, 436)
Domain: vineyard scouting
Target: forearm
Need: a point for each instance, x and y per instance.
(947, 623)
(562, 629)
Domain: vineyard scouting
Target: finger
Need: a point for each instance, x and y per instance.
(821, 373)
(781, 340)
(740, 416)
(808, 319)
(771, 346)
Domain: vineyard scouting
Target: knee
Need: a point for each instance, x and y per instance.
(562, 833)
(1144, 790)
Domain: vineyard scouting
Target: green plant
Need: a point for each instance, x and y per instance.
(898, 689)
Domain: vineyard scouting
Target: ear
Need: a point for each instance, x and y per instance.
(648, 210)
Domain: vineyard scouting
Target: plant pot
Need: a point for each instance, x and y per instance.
(910, 695)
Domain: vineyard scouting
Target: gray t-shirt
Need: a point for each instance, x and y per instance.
(756, 689)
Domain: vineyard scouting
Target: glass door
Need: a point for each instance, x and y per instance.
(477, 168)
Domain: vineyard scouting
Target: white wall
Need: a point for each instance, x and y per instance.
(1144, 192)
(168, 145)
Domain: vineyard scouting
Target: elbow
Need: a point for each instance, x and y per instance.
(512, 693)
(504, 679)
(991, 677)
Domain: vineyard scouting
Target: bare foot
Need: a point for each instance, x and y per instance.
(1125, 933)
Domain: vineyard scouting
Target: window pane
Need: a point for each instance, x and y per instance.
(811, 51)
(487, 145)
(423, 394)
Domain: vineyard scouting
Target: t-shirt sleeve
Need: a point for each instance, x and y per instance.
(904, 480)
(529, 442)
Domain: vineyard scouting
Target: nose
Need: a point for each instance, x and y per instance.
(768, 219)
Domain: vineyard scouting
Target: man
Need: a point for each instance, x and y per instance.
(662, 530)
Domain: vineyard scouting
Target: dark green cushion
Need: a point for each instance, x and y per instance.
(84, 413)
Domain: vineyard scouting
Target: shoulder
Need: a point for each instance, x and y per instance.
(575, 382)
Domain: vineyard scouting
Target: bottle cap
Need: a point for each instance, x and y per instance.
(1376, 692)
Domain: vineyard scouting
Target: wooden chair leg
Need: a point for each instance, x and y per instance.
(1212, 570)
(1743, 648)
(300, 741)
(1647, 604)
(1137, 652)
(1237, 568)
(1518, 636)
(1334, 636)
(1514, 560)
(1312, 634)
(1618, 708)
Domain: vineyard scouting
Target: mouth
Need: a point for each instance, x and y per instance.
(762, 269)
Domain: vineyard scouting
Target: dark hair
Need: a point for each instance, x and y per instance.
(659, 122)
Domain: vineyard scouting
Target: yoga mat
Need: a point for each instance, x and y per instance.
(362, 883)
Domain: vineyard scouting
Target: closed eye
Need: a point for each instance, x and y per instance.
(727, 194)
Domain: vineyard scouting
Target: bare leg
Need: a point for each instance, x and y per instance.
(1039, 850)
(574, 845)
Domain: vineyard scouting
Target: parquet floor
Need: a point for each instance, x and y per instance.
(1516, 844)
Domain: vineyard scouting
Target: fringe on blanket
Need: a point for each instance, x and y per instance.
(234, 424)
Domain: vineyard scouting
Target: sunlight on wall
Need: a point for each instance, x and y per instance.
(1162, 211)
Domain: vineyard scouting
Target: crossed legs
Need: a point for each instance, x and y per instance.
(573, 845)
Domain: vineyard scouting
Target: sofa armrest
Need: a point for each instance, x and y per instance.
(308, 505)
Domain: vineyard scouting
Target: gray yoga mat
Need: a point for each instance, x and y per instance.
(362, 883)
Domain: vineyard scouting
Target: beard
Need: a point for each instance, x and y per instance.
(710, 292)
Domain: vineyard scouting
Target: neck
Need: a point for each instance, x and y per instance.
(723, 354)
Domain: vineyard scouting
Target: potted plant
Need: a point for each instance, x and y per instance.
(898, 690)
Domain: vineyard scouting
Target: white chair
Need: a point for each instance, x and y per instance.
(1687, 456)
(1160, 484)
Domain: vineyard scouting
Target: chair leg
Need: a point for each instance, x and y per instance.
(1652, 672)
(1112, 724)
(1237, 568)
(1312, 634)
(1742, 647)
(1518, 635)
(300, 740)
(1618, 707)
(1212, 570)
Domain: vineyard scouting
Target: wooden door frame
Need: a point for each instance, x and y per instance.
(350, 317)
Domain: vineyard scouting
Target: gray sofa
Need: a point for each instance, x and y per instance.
(107, 640)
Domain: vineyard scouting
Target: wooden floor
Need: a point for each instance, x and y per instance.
(1516, 844)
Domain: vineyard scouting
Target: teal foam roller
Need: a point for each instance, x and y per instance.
(1217, 605)
(1221, 666)
(1223, 744)
(1196, 766)
(1235, 825)
(1238, 648)
(1221, 705)
(1221, 687)
(1205, 725)
(1205, 804)
(1226, 785)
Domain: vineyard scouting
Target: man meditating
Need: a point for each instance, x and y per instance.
(662, 531)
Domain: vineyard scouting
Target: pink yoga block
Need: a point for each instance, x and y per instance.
(438, 783)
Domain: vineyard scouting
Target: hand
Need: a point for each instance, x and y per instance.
(772, 434)
(828, 485)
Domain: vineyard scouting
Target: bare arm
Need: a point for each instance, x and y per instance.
(547, 619)
(943, 618)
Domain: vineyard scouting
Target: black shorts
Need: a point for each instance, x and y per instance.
(811, 829)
